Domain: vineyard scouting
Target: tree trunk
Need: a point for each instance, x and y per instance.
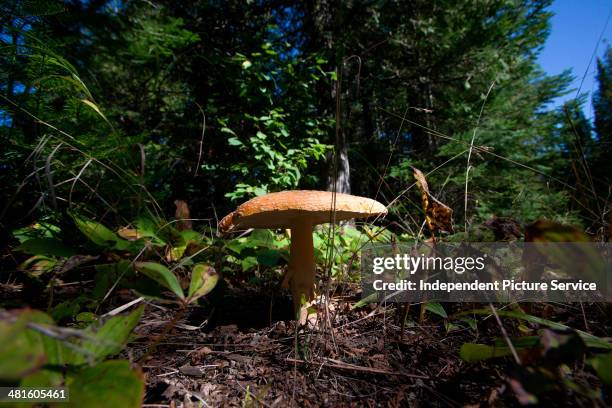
(339, 179)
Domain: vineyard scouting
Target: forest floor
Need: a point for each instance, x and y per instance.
(245, 355)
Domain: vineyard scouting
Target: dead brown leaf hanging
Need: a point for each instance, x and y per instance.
(439, 216)
(182, 215)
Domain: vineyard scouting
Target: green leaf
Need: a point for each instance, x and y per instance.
(237, 245)
(228, 130)
(109, 384)
(234, 141)
(177, 252)
(37, 230)
(104, 237)
(96, 232)
(470, 322)
(42, 379)
(22, 350)
(190, 236)
(261, 238)
(473, 353)
(161, 275)
(203, 280)
(148, 228)
(269, 257)
(45, 246)
(589, 339)
(520, 342)
(436, 308)
(85, 317)
(108, 340)
(249, 262)
(95, 108)
(37, 265)
(602, 363)
(67, 309)
(367, 300)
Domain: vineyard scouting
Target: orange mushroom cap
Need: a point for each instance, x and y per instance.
(280, 210)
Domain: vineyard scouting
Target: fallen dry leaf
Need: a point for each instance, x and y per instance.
(129, 233)
(439, 216)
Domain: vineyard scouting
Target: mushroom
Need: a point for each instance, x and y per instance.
(300, 211)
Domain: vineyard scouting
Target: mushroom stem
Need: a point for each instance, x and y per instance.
(301, 264)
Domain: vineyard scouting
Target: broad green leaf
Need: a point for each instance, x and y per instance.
(259, 191)
(22, 351)
(147, 227)
(261, 238)
(96, 232)
(190, 236)
(248, 263)
(436, 308)
(203, 280)
(109, 384)
(36, 230)
(237, 245)
(33, 328)
(161, 275)
(45, 246)
(104, 237)
(56, 351)
(473, 353)
(108, 340)
(602, 363)
(42, 379)
(520, 342)
(234, 141)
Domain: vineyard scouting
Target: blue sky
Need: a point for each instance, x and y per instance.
(575, 30)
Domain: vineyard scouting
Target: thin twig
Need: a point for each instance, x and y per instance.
(505, 334)
(123, 307)
(467, 167)
(201, 139)
(332, 363)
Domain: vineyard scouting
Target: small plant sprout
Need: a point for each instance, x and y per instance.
(300, 211)
(203, 280)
